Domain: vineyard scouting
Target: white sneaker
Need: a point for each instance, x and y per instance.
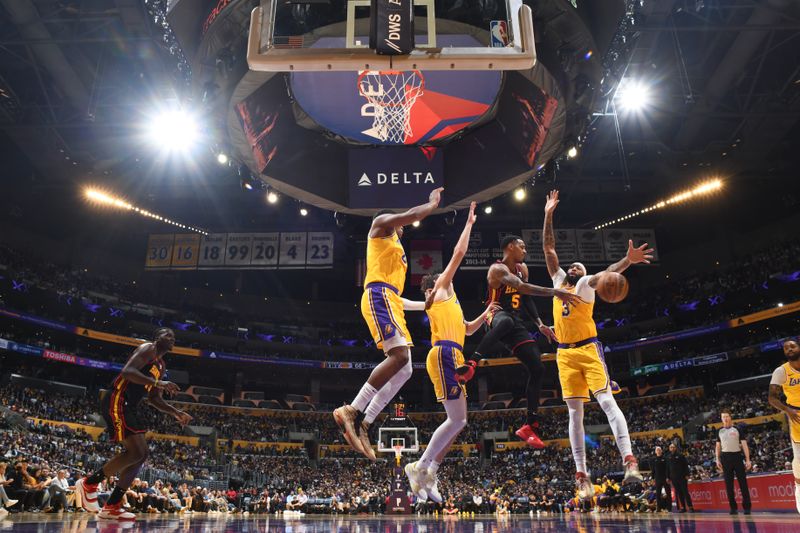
(797, 496)
(88, 494)
(584, 484)
(3, 513)
(432, 486)
(416, 478)
(115, 512)
(632, 474)
(11, 503)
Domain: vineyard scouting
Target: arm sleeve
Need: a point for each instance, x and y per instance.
(530, 306)
(584, 290)
(778, 376)
(409, 305)
(559, 278)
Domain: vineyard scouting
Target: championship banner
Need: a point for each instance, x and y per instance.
(483, 250)
(185, 251)
(159, 251)
(590, 246)
(768, 492)
(533, 244)
(426, 258)
(616, 243)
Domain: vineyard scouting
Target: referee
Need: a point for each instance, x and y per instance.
(733, 457)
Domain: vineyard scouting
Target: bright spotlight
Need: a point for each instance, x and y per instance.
(222, 158)
(415, 223)
(487, 210)
(520, 194)
(272, 197)
(173, 130)
(572, 153)
(633, 96)
(303, 211)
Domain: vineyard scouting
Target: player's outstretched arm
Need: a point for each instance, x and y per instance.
(640, 254)
(548, 236)
(386, 223)
(500, 275)
(474, 325)
(410, 305)
(460, 250)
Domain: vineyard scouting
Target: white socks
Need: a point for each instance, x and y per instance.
(381, 399)
(577, 435)
(363, 397)
(619, 426)
(446, 433)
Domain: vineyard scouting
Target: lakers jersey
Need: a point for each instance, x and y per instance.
(447, 321)
(573, 322)
(386, 262)
(791, 387)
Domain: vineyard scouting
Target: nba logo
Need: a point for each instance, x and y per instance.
(499, 31)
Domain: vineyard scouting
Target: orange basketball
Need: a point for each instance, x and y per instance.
(612, 287)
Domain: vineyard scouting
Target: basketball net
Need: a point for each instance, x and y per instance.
(398, 451)
(393, 94)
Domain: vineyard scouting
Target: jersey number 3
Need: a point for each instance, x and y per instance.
(564, 309)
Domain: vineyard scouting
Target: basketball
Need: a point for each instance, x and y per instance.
(612, 287)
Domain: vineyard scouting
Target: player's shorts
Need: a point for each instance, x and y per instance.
(582, 368)
(794, 428)
(515, 331)
(443, 359)
(382, 309)
(120, 416)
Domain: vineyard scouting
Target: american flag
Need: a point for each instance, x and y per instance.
(287, 41)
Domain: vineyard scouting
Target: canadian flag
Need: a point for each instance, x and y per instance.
(426, 257)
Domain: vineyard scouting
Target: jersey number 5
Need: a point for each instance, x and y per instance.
(515, 301)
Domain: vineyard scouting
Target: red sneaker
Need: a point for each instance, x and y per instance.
(528, 434)
(466, 371)
(115, 512)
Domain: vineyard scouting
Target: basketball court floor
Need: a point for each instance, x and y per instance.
(594, 523)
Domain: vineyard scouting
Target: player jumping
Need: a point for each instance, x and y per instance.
(508, 288)
(382, 309)
(448, 330)
(786, 379)
(581, 366)
(141, 375)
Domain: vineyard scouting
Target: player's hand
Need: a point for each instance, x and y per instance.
(642, 254)
(436, 196)
(719, 466)
(552, 202)
(168, 387)
(472, 217)
(493, 307)
(568, 297)
(794, 415)
(545, 330)
(748, 465)
(183, 418)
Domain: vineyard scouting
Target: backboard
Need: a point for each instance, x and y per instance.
(390, 437)
(333, 35)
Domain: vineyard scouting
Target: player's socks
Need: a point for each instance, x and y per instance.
(116, 496)
(363, 397)
(95, 478)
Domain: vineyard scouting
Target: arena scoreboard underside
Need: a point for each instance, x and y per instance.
(231, 251)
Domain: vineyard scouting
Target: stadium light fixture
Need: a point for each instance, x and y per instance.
(705, 188)
(416, 223)
(572, 153)
(303, 212)
(103, 198)
(222, 158)
(173, 130)
(272, 197)
(520, 194)
(487, 210)
(633, 95)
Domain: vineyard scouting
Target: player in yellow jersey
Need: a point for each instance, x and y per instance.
(581, 366)
(448, 330)
(382, 309)
(786, 380)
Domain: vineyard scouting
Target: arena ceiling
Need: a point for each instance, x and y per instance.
(78, 77)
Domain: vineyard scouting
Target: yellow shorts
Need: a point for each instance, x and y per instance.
(443, 359)
(794, 431)
(581, 370)
(382, 309)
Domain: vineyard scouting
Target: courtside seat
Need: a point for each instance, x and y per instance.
(270, 404)
(183, 397)
(494, 406)
(211, 400)
(244, 403)
(302, 406)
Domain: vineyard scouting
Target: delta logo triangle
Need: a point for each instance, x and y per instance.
(364, 181)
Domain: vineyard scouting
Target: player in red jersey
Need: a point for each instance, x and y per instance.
(140, 376)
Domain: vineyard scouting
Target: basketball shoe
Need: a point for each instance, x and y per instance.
(115, 512)
(363, 437)
(416, 478)
(528, 434)
(432, 486)
(584, 485)
(345, 417)
(466, 371)
(88, 494)
(632, 474)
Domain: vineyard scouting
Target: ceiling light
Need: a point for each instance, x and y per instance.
(415, 223)
(303, 211)
(633, 95)
(487, 210)
(174, 130)
(222, 158)
(520, 194)
(572, 153)
(272, 197)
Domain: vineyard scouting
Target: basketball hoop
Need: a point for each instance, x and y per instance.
(393, 93)
(398, 452)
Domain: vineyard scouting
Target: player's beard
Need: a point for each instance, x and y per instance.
(794, 357)
(572, 280)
